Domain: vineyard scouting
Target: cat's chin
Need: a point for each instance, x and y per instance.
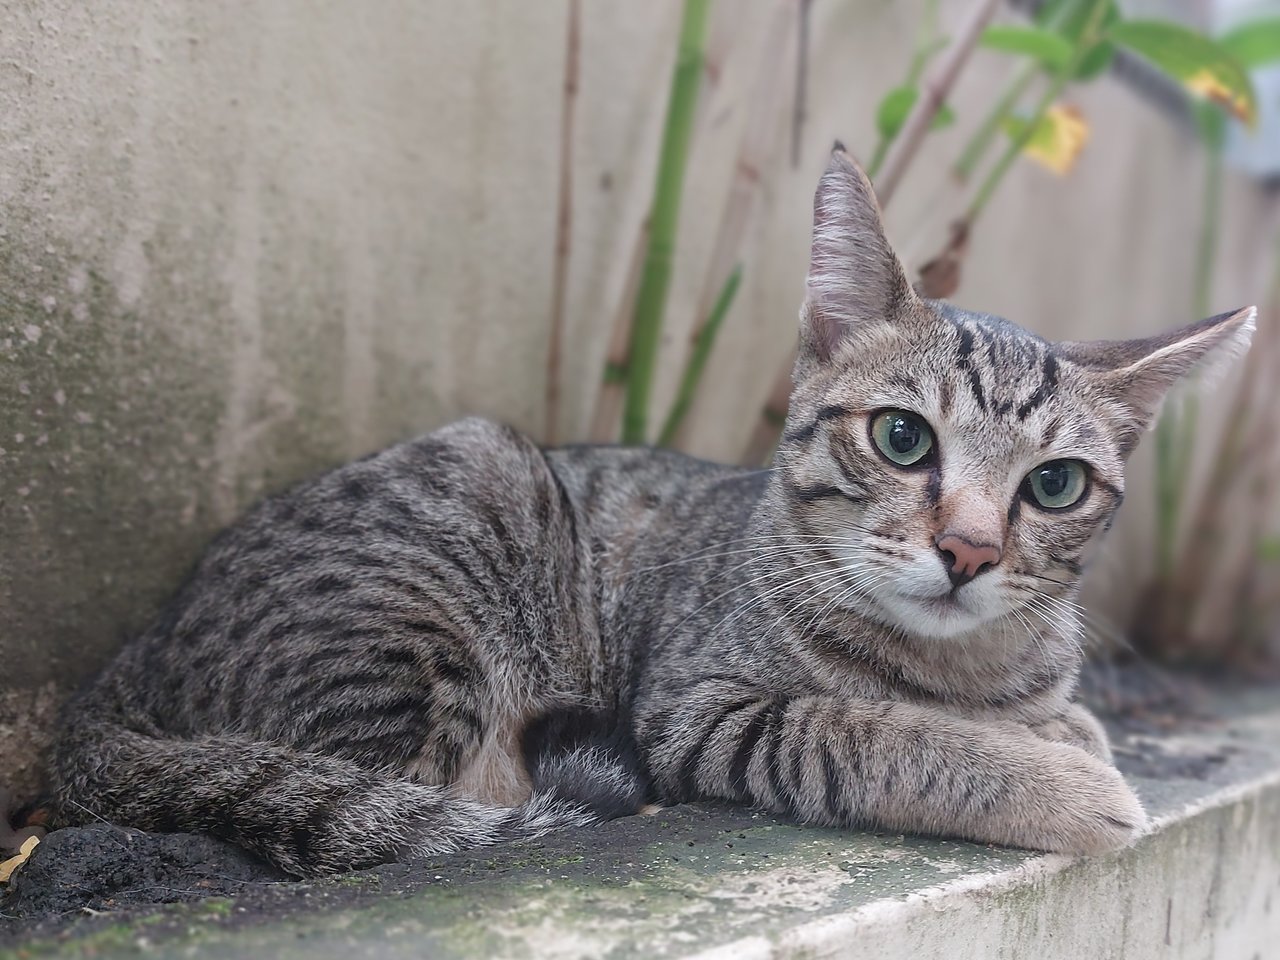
(942, 617)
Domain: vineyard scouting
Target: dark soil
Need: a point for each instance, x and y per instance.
(103, 866)
(81, 880)
(77, 873)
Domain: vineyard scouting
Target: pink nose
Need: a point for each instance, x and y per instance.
(965, 560)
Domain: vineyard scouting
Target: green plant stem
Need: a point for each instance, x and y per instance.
(927, 44)
(877, 156)
(697, 362)
(1088, 39)
(986, 134)
(668, 188)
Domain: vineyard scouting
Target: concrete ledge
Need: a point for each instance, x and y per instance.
(711, 882)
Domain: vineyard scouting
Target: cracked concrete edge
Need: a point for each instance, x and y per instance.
(938, 905)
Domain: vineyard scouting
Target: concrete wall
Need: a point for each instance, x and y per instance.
(242, 242)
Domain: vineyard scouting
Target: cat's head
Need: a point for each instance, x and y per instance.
(957, 465)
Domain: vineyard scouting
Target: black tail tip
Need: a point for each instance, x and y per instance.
(588, 758)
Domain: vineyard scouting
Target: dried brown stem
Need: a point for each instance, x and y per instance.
(933, 95)
(1243, 471)
(800, 105)
(772, 417)
(906, 147)
(564, 224)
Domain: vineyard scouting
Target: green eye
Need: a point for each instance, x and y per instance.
(902, 437)
(1057, 484)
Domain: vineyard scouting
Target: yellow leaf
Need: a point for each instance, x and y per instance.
(1059, 137)
(13, 863)
(1205, 83)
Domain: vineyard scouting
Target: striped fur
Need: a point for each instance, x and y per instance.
(466, 638)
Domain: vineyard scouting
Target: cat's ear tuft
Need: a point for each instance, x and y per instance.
(855, 278)
(1139, 374)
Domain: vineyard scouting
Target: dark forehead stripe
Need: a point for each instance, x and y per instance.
(964, 360)
(1014, 360)
(1048, 385)
(946, 397)
(1051, 432)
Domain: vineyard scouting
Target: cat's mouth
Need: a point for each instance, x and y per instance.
(943, 614)
(948, 602)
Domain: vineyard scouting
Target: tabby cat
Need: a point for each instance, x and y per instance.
(466, 638)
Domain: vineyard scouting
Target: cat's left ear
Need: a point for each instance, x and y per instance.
(855, 279)
(1139, 374)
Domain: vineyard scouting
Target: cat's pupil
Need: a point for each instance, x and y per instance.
(1054, 479)
(904, 435)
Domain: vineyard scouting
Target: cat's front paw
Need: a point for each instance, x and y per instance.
(1076, 727)
(1080, 804)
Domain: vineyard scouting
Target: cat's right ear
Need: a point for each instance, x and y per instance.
(855, 279)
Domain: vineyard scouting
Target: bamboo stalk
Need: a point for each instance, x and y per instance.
(646, 327)
(564, 223)
(702, 344)
(758, 138)
(933, 95)
(608, 406)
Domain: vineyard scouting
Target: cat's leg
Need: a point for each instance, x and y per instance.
(1076, 726)
(892, 766)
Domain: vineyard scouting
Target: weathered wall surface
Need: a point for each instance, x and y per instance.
(239, 243)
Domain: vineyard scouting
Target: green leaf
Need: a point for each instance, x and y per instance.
(698, 358)
(1254, 44)
(893, 110)
(1211, 124)
(1068, 18)
(1056, 141)
(1202, 65)
(1041, 137)
(897, 103)
(1096, 61)
(1044, 45)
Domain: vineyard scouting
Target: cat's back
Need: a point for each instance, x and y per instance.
(314, 586)
(334, 583)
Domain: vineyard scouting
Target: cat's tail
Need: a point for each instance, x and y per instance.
(589, 758)
(308, 814)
